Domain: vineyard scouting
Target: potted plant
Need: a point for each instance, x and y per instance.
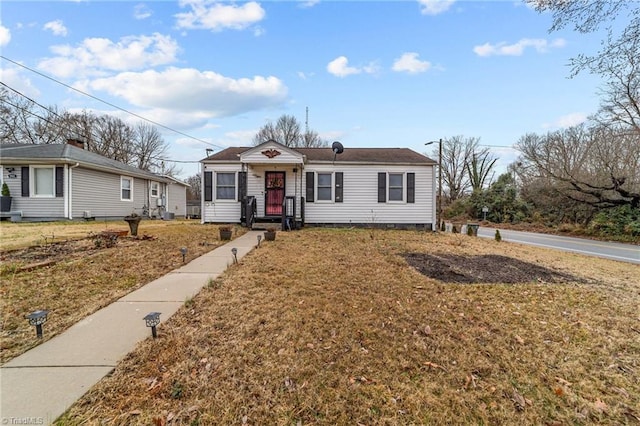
(133, 220)
(5, 200)
(225, 232)
(270, 234)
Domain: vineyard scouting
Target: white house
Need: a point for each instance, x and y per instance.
(65, 181)
(386, 187)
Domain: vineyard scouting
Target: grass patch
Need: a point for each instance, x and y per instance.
(333, 327)
(72, 276)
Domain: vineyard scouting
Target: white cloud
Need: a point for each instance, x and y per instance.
(56, 27)
(96, 55)
(215, 16)
(305, 4)
(15, 78)
(517, 49)
(141, 11)
(195, 92)
(340, 67)
(5, 35)
(410, 63)
(435, 7)
(569, 120)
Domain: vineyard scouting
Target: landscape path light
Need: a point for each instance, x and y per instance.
(152, 319)
(234, 251)
(259, 239)
(183, 251)
(38, 318)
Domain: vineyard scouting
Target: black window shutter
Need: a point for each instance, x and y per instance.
(382, 187)
(208, 186)
(59, 181)
(310, 186)
(411, 187)
(242, 185)
(25, 181)
(338, 189)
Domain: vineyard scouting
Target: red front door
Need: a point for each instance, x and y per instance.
(274, 190)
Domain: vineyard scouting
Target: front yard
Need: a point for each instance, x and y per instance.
(70, 270)
(345, 327)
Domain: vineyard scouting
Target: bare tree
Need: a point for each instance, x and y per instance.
(621, 92)
(457, 152)
(480, 168)
(193, 192)
(589, 16)
(598, 166)
(311, 139)
(149, 146)
(287, 131)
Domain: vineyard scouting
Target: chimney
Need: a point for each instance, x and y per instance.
(76, 142)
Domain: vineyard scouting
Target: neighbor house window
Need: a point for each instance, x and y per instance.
(126, 188)
(154, 189)
(43, 183)
(395, 186)
(324, 186)
(225, 186)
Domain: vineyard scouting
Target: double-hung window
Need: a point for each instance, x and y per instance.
(396, 186)
(225, 186)
(43, 182)
(324, 186)
(126, 188)
(154, 189)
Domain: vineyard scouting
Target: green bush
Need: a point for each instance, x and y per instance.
(617, 221)
(5, 190)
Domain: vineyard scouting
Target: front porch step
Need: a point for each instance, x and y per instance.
(262, 226)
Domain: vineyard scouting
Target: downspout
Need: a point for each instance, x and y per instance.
(69, 188)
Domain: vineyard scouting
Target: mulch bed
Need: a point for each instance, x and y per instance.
(488, 269)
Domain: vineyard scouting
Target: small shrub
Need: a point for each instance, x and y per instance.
(469, 231)
(5, 190)
(443, 226)
(498, 237)
(104, 240)
(454, 229)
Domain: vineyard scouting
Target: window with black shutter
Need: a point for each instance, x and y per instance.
(208, 186)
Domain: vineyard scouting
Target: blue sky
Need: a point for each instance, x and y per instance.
(372, 73)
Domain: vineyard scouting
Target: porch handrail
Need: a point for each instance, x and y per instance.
(288, 212)
(250, 211)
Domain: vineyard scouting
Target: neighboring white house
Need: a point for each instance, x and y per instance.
(65, 181)
(388, 187)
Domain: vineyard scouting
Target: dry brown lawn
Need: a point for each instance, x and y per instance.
(57, 267)
(326, 327)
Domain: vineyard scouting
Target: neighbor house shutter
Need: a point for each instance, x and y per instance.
(242, 185)
(338, 188)
(208, 186)
(59, 181)
(310, 186)
(382, 187)
(25, 181)
(411, 187)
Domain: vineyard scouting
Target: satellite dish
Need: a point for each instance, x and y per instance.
(337, 148)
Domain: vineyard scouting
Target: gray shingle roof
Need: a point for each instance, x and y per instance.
(350, 155)
(65, 153)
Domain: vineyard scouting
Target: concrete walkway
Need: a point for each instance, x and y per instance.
(41, 384)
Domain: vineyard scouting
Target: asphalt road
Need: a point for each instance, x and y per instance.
(617, 251)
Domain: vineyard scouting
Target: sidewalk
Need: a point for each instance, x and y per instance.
(41, 384)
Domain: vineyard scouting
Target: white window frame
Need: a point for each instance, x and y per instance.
(157, 190)
(130, 179)
(331, 187)
(32, 182)
(235, 187)
(402, 188)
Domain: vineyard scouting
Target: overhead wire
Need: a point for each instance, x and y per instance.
(67, 128)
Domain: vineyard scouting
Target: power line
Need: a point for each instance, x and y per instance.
(110, 104)
(61, 126)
